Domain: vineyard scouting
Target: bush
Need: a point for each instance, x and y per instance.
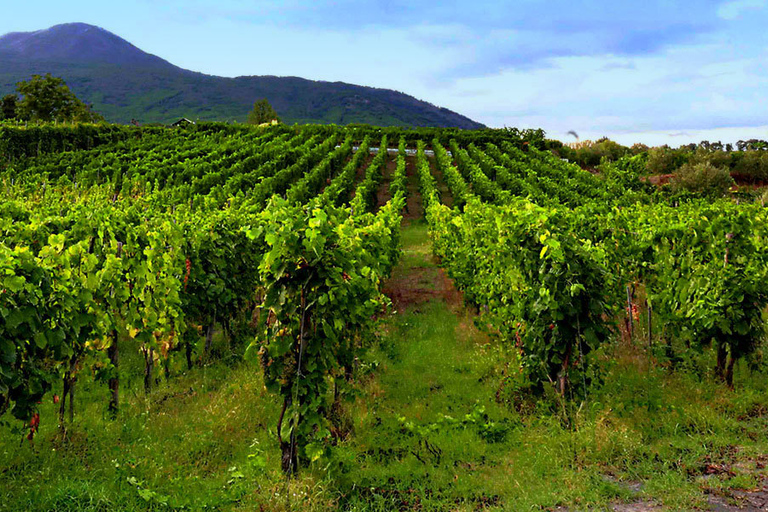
(752, 165)
(703, 178)
(589, 154)
(664, 160)
(716, 158)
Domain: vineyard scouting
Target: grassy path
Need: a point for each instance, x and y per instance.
(428, 432)
(432, 364)
(437, 428)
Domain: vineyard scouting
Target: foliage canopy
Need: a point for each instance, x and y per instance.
(262, 113)
(48, 98)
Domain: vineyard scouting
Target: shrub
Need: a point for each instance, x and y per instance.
(752, 165)
(716, 158)
(589, 154)
(664, 160)
(703, 178)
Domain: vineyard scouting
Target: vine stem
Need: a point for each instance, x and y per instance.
(280, 421)
(582, 362)
(629, 313)
(297, 417)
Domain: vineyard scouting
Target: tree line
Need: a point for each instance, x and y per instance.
(46, 98)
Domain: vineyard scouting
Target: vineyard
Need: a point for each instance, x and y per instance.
(248, 294)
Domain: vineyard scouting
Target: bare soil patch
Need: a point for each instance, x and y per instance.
(413, 206)
(410, 287)
(383, 194)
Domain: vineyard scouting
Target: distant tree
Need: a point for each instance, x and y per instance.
(703, 178)
(262, 113)
(9, 106)
(752, 165)
(665, 160)
(48, 98)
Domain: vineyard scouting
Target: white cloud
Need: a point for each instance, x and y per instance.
(686, 88)
(677, 138)
(735, 8)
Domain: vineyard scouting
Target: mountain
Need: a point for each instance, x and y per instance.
(123, 83)
(78, 43)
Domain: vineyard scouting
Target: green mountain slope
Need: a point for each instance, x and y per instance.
(123, 83)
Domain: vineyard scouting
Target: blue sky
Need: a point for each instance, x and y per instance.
(654, 71)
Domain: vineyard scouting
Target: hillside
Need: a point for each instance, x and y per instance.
(123, 83)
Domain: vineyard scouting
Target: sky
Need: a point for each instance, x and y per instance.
(657, 71)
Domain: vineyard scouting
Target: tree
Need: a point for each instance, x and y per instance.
(665, 160)
(48, 98)
(262, 113)
(8, 106)
(703, 178)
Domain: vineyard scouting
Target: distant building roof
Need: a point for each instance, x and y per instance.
(183, 122)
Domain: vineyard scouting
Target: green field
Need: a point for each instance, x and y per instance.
(436, 319)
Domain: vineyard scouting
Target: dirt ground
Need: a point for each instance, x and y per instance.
(416, 285)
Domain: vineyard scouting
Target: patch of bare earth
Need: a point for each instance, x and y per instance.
(718, 499)
(731, 500)
(744, 501)
(635, 506)
(410, 287)
(413, 207)
(383, 194)
(639, 506)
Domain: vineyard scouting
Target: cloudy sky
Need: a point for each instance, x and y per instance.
(655, 71)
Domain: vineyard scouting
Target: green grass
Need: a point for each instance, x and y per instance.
(181, 443)
(432, 428)
(417, 249)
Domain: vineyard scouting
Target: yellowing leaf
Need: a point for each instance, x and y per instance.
(14, 283)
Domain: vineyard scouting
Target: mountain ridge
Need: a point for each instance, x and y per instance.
(123, 83)
(71, 41)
